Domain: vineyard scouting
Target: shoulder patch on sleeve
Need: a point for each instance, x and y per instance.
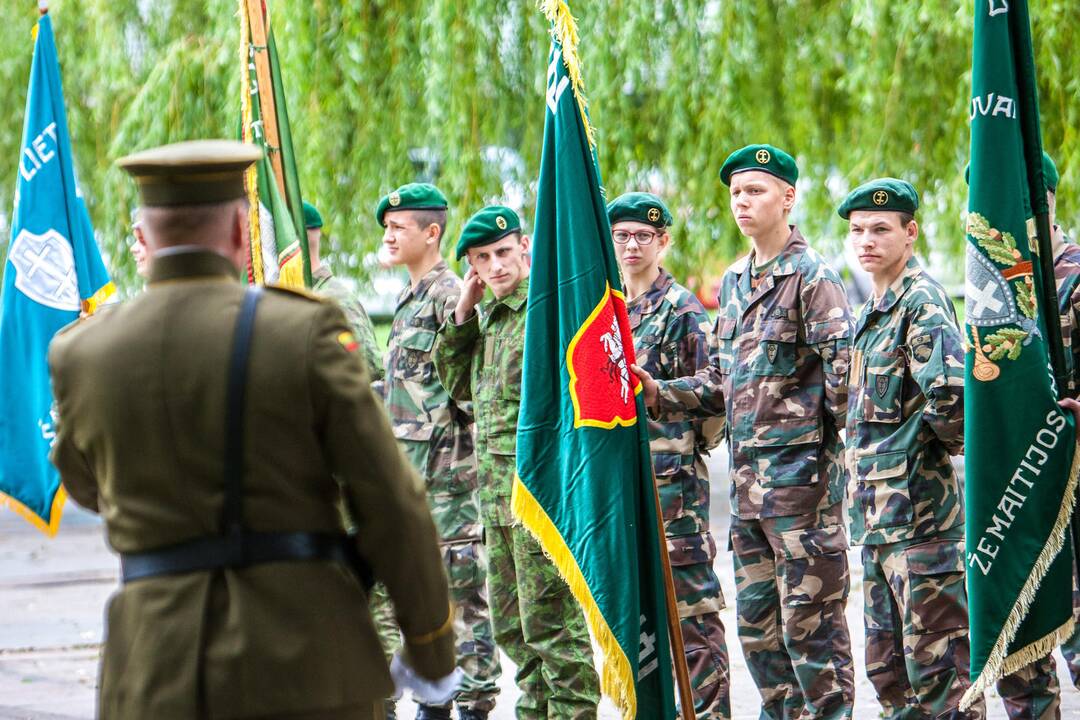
(348, 341)
(922, 347)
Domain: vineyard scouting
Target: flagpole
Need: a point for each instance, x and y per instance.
(678, 648)
(260, 45)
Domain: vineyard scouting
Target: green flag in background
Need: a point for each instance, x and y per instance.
(1020, 479)
(277, 225)
(585, 485)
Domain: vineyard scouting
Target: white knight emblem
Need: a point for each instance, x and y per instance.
(617, 367)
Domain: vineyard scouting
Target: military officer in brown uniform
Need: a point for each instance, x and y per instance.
(215, 429)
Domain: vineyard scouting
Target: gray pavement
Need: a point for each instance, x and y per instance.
(53, 593)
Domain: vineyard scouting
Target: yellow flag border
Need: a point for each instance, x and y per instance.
(616, 678)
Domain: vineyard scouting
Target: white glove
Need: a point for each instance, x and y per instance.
(427, 692)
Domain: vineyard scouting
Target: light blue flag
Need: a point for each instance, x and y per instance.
(53, 272)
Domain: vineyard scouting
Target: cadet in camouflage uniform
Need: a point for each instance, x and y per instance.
(905, 502)
(781, 378)
(434, 431)
(478, 356)
(672, 339)
(324, 283)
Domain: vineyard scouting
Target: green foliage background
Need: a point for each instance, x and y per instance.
(383, 92)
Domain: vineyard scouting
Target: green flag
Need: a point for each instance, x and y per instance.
(1019, 446)
(584, 484)
(278, 235)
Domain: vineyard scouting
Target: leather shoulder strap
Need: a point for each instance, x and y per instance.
(235, 393)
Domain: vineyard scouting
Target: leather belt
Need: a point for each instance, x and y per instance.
(237, 551)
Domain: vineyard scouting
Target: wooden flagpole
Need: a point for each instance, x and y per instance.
(678, 649)
(267, 111)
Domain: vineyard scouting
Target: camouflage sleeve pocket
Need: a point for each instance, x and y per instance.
(815, 567)
(883, 381)
(691, 549)
(725, 339)
(927, 353)
(826, 330)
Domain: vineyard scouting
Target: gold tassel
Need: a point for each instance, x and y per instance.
(998, 664)
(564, 28)
(616, 679)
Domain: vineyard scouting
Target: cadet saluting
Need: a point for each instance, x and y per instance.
(783, 332)
(672, 339)
(209, 436)
(478, 356)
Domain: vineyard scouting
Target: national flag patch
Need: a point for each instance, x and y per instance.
(348, 341)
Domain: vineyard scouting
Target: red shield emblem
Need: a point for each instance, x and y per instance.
(598, 359)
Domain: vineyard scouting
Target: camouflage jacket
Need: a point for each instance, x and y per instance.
(672, 339)
(906, 414)
(1067, 275)
(780, 375)
(324, 283)
(480, 361)
(433, 429)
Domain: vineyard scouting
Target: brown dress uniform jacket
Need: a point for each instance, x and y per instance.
(140, 391)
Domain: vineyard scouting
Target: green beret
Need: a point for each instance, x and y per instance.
(191, 173)
(488, 225)
(414, 196)
(312, 218)
(1050, 173)
(766, 158)
(881, 194)
(641, 207)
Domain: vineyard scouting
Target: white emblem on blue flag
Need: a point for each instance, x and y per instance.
(45, 269)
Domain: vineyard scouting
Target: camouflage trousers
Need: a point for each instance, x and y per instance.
(457, 521)
(791, 576)
(1070, 649)
(915, 613)
(1032, 692)
(700, 600)
(540, 626)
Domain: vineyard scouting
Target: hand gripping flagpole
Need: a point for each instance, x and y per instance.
(43, 6)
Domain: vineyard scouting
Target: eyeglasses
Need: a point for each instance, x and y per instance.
(621, 237)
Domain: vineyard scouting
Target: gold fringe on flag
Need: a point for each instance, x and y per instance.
(999, 664)
(616, 678)
(564, 28)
